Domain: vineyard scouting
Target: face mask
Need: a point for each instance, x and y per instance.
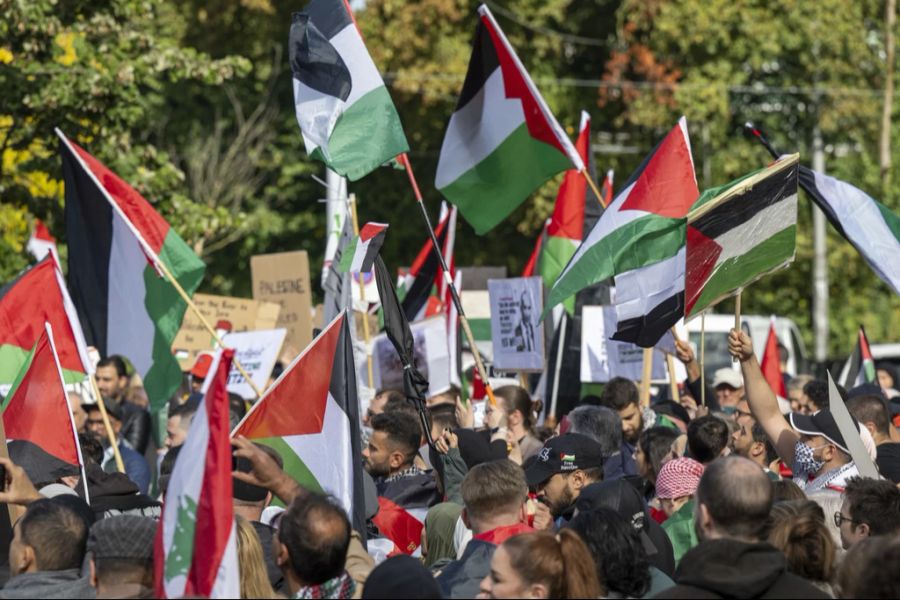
(804, 460)
(729, 410)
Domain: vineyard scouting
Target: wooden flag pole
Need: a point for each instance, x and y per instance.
(673, 381)
(645, 377)
(187, 299)
(110, 434)
(593, 186)
(702, 362)
(362, 295)
(482, 372)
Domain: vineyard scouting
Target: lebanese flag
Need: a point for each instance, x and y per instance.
(644, 227)
(35, 297)
(118, 246)
(195, 552)
(41, 242)
(310, 416)
(771, 363)
(502, 141)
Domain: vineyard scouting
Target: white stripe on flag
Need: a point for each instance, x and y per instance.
(773, 219)
(640, 290)
(130, 329)
(317, 114)
(228, 577)
(363, 73)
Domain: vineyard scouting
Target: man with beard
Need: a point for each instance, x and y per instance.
(136, 468)
(621, 395)
(565, 465)
(732, 508)
(751, 442)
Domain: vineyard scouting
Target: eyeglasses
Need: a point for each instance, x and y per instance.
(840, 518)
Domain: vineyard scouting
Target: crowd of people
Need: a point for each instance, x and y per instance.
(744, 495)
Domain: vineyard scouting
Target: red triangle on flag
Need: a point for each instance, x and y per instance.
(38, 409)
(568, 212)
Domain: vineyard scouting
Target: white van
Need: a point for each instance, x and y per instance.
(718, 326)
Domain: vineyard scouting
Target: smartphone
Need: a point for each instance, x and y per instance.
(2, 478)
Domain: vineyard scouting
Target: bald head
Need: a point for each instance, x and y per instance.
(733, 499)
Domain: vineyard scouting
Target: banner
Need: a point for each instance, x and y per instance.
(431, 354)
(602, 358)
(257, 352)
(517, 333)
(283, 278)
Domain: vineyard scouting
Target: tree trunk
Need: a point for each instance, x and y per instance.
(890, 15)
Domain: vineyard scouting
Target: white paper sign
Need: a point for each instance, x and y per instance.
(517, 333)
(602, 358)
(257, 351)
(430, 351)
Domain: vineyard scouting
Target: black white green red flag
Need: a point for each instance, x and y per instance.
(345, 112)
(359, 255)
(860, 366)
(502, 141)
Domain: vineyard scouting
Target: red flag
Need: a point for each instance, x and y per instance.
(771, 363)
(531, 265)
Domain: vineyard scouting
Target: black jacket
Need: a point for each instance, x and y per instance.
(733, 569)
(135, 426)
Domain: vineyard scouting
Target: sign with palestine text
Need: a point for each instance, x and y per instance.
(283, 278)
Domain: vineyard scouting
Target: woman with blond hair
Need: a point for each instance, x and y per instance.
(798, 529)
(542, 565)
(254, 578)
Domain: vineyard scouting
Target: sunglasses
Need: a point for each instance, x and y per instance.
(840, 518)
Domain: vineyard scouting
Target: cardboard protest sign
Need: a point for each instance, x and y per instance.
(602, 358)
(257, 352)
(234, 314)
(284, 278)
(431, 355)
(516, 330)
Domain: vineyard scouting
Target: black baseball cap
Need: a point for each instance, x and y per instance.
(821, 423)
(564, 454)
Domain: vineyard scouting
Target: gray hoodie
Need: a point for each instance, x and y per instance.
(48, 584)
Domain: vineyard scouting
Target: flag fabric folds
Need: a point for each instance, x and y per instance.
(860, 366)
(643, 226)
(37, 407)
(195, 551)
(502, 141)
(117, 246)
(739, 232)
(360, 254)
(37, 296)
(417, 285)
(310, 416)
(337, 285)
(345, 112)
(771, 363)
(867, 224)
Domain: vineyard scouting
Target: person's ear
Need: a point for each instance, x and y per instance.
(703, 519)
(465, 518)
(577, 480)
(281, 553)
(863, 529)
(871, 427)
(396, 459)
(92, 577)
(757, 449)
(537, 590)
(27, 558)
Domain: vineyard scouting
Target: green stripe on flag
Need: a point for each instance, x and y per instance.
(13, 359)
(293, 464)
(555, 255)
(367, 135)
(489, 191)
(890, 219)
(733, 273)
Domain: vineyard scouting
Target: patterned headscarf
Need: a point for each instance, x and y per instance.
(678, 477)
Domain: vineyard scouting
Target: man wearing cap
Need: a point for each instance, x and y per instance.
(120, 549)
(811, 444)
(136, 468)
(564, 466)
(200, 369)
(675, 486)
(729, 388)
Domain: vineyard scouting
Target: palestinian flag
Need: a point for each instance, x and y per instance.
(37, 408)
(417, 288)
(337, 284)
(359, 256)
(41, 242)
(565, 231)
(739, 232)
(37, 296)
(502, 141)
(642, 226)
(310, 416)
(345, 113)
(860, 366)
(118, 246)
(531, 266)
(771, 363)
(607, 188)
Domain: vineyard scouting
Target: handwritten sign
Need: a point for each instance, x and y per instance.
(233, 314)
(257, 352)
(283, 278)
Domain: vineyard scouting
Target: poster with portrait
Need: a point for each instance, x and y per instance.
(517, 332)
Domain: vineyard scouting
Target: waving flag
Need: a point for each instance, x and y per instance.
(418, 286)
(360, 255)
(37, 296)
(195, 553)
(117, 247)
(642, 227)
(771, 363)
(860, 366)
(347, 117)
(739, 232)
(310, 416)
(502, 141)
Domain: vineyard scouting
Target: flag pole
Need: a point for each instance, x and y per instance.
(560, 346)
(482, 372)
(362, 296)
(645, 377)
(673, 381)
(120, 465)
(593, 186)
(702, 362)
(187, 299)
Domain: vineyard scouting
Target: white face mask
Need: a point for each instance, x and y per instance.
(805, 462)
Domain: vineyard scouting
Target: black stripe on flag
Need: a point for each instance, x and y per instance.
(314, 61)
(483, 63)
(343, 389)
(329, 16)
(89, 233)
(808, 183)
(646, 330)
(746, 204)
(418, 293)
